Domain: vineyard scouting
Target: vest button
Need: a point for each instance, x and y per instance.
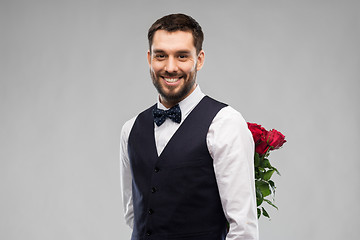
(153, 190)
(150, 211)
(156, 169)
(148, 233)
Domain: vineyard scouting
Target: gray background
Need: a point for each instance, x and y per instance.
(72, 72)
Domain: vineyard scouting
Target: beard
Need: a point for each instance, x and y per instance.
(175, 96)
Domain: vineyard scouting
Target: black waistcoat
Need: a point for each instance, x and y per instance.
(175, 195)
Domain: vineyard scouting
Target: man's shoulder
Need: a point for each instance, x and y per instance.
(126, 128)
(129, 123)
(214, 101)
(228, 115)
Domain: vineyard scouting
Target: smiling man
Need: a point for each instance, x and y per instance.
(173, 62)
(186, 162)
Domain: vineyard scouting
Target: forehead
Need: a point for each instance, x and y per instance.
(173, 41)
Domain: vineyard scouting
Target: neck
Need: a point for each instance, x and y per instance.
(168, 103)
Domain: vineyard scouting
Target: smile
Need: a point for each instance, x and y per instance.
(171, 80)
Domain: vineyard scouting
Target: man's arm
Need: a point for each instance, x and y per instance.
(231, 146)
(125, 173)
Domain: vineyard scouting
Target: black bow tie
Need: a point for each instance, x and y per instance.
(173, 113)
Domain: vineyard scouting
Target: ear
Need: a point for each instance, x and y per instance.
(149, 57)
(200, 60)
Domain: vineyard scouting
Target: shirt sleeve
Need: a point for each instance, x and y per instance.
(125, 173)
(231, 146)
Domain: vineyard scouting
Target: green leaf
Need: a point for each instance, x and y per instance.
(270, 203)
(259, 197)
(268, 175)
(257, 160)
(264, 187)
(261, 174)
(265, 213)
(278, 173)
(258, 213)
(272, 185)
(266, 163)
(257, 173)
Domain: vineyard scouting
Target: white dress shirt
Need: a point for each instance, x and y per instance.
(231, 146)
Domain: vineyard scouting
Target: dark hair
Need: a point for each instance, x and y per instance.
(176, 22)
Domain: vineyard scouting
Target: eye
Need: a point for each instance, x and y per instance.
(182, 57)
(159, 56)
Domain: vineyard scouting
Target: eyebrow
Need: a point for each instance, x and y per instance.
(177, 52)
(157, 50)
(183, 52)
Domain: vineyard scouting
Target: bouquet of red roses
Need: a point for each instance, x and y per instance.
(265, 141)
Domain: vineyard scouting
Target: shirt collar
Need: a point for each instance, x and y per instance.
(187, 104)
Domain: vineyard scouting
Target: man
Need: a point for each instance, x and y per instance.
(186, 162)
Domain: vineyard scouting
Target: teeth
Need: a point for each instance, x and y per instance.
(171, 80)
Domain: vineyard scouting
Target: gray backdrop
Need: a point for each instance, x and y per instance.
(72, 72)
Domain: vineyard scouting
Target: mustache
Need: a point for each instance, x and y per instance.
(168, 74)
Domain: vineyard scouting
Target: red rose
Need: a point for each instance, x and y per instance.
(257, 131)
(259, 134)
(265, 139)
(261, 148)
(275, 139)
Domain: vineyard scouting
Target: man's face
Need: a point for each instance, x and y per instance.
(173, 65)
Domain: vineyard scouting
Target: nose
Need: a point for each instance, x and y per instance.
(171, 65)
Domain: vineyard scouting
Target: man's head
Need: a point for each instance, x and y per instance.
(178, 22)
(175, 55)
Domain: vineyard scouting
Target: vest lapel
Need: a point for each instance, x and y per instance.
(193, 114)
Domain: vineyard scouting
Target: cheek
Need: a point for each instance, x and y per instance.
(187, 68)
(156, 66)
(155, 69)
